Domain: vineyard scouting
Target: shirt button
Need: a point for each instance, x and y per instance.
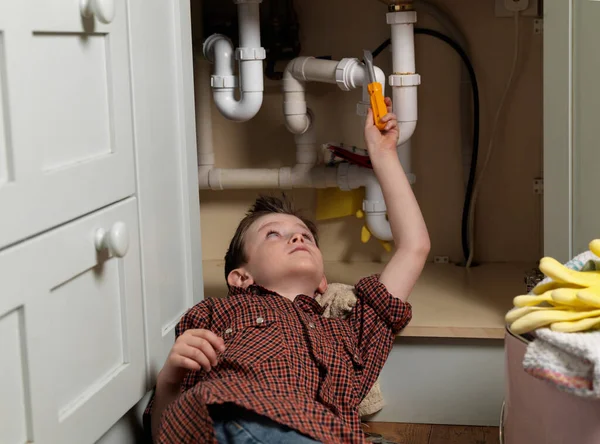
(228, 331)
(311, 325)
(259, 320)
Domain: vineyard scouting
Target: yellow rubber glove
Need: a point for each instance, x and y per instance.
(518, 313)
(566, 299)
(542, 318)
(547, 286)
(558, 272)
(576, 326)
(590, 296)
(569, 297)
(595, 247)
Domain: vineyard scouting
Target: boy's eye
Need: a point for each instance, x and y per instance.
(308, 237)
(272, 234)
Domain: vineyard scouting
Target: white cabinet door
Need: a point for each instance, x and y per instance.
(586, 133)
(66, 144)
(167, 176)
(72, 354)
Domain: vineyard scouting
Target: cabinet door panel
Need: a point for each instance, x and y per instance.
(586, 107)
(167, 167)
(66, 144)
(72, 329)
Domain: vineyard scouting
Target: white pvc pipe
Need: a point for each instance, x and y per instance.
(404, 81)
(249, 23)
(204, 129)
(403, 42)
(375, 209)
(310, 69)
(299, 176)
(405, 102)
(223, 55)
(303, 175)
(351, 177)
(306, 145)
(243, 178)
(379, 226)
(204, 132)
(250, 54)
(237, 110)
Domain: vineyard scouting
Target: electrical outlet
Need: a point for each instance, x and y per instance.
(441, 259)
(538, 185)
(507, 8)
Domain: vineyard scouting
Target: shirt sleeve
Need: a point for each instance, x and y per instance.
(199, 316)
(376, 320)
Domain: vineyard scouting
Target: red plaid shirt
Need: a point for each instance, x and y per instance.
(285, 361)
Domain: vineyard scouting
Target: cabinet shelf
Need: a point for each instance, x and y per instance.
(448, 301)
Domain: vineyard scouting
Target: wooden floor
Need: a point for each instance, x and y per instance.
(433, 434)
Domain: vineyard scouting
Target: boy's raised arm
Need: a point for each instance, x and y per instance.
(406, 221)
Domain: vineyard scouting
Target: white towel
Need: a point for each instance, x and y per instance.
(570, 361)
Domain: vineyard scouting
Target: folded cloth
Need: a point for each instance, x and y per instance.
(570, 361)
(339, 300)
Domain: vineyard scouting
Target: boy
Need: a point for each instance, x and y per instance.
(263, 365)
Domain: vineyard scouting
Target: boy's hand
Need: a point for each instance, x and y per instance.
(384, 141)
(195, 349)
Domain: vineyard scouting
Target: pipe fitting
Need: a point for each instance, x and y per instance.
(401, 17)
(348, 74)
(344, 73)
(323, 176)
(203, 173)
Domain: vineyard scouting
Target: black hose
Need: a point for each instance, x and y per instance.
(476, 118)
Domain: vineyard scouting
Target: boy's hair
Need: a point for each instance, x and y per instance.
(264, 205)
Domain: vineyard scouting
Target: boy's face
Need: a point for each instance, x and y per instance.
(281, 250)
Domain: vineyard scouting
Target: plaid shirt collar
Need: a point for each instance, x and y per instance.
(304, 302)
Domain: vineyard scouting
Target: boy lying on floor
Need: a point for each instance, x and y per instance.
(263, 365)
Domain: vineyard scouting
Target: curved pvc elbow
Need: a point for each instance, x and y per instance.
(375, 208)
(239, 111)
(379, 226)
(406, 129)
(297, 123)
(297, 120)
(405, 108)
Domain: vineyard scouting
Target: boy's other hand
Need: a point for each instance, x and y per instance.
(382, 141)
(195, 349)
